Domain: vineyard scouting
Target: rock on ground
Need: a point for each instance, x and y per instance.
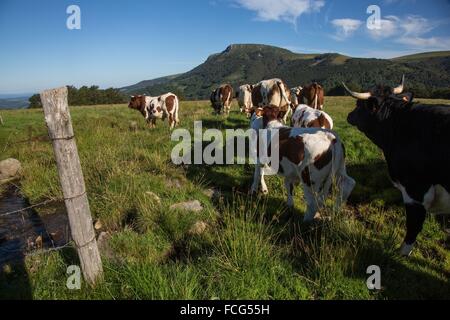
(193, 206)
(174, 183)
(9, 168)
(103, 245)
(98, 224)
(212, 193)
(198, 228)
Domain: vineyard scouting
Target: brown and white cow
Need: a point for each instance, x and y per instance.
(273, 92)
(221, 99)
(310, 156)
(313, 96)
(244, 97)
(307, 117)
(153, 108)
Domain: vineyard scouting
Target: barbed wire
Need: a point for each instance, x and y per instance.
(4, 214)
(38, 251)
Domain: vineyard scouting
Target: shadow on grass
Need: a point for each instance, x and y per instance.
(402, 278)
(316, 253)
(372, 184)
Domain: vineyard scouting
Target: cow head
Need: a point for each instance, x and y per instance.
(375, 106)
(297, 90)
(137, 103)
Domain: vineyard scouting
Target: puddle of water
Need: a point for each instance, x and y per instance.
(21, 233)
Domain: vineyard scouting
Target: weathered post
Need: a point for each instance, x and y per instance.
(59, 124)
(1, 120)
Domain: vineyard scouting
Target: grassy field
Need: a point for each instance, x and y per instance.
(253, 247)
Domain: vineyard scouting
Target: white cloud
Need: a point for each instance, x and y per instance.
(416, 25)
(409, 26)
(432, 43)
(281, 10)
(411, 30)
(345, 27)
(388, 28)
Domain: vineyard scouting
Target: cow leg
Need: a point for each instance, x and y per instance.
(290, 191)
(258, 179)
(311, 203)
(264, 188)
(415, 217)
(171, 121)
(154, 123)
(177, 119)
(346, 186)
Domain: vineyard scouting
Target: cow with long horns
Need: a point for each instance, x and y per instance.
(416, 144)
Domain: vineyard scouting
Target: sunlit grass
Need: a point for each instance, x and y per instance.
(252, 248)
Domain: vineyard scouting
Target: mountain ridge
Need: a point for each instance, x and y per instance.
(250, 63)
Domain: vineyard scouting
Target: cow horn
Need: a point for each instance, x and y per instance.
(357, 95)
(400, 88)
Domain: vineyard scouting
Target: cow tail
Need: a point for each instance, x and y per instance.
(345, 184)
(282, 89)
(177, 106)
(316, 100)
(230, 96)
(283, 92)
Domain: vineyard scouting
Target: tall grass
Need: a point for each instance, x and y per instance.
(252, 248)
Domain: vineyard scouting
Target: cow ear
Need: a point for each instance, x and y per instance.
(408, 97)
(132, 97)
(259, 112)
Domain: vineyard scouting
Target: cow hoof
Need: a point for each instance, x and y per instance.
(406, 250)
(316, 218)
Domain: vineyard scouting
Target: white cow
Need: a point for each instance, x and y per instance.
(244, 97)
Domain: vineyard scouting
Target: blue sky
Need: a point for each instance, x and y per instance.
(122, 42)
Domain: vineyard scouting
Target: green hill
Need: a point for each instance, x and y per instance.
(427, 74)
(425, 55)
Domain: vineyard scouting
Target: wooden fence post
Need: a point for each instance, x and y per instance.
(59, 124)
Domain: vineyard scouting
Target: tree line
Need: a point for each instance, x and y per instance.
(86, 96)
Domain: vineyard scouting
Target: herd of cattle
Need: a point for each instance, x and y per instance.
(415, 140)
